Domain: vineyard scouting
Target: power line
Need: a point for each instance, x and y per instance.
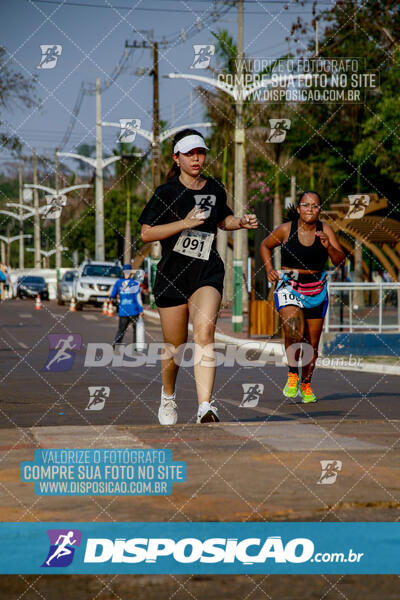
(175, 40)
(89, 89)
(139, 8)
(178, 10)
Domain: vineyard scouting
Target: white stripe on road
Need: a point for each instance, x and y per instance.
(78, 436)
(21, 344)
(301, 437)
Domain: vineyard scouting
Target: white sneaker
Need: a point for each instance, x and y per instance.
(207, 413)
(167, 414)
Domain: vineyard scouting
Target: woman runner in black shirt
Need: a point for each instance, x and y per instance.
(183, 215)
(301, 294)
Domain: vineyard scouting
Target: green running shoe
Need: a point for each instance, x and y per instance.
(307, 394)
(292, 386)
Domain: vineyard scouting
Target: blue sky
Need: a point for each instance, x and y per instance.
(93, 40)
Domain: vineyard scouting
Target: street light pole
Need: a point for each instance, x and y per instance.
(36, 223)
(8, 240)
(237, 312)
(58, 225)
(21, 227)
(99, 251)
(43, 209)
(99, 164)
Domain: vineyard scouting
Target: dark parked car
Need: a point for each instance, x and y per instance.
(30, 286)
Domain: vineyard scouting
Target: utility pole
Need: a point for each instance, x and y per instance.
(237, 313)
(155, 165)
(155, 157)
(99, 252)
(36, 222)
(156, 151)
(21, 227)
(128, 230)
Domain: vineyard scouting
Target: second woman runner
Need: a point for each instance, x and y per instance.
(183, 214)
(301, 295)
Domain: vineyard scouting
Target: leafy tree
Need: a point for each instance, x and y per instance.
(331, 137)
(380, 144)
(15, 90)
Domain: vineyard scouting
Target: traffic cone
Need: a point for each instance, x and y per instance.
(72, 305)
(110, 311)
(38, 303)
(105, 308)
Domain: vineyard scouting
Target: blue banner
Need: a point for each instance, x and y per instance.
(208, 548)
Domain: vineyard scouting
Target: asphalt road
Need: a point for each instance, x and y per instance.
(31, 395)
(260, 463)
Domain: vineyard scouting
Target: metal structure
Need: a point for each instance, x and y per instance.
(380, 312)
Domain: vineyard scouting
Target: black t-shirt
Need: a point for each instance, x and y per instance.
(171, 202)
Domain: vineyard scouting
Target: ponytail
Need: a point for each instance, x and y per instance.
(291, 213)
(174, 170)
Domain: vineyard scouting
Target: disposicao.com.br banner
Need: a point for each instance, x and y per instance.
(207, 548)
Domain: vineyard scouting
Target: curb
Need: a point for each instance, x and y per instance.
(366, 367)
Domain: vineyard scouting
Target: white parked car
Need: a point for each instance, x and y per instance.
(94, 281)
(66, 286)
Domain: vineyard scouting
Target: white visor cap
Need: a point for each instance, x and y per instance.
(189, 142)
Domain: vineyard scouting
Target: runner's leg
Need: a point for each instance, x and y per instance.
(204, 306)
(293, 327)
(174, 324)
(312, 334)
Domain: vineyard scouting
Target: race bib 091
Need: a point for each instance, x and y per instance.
(196, 244)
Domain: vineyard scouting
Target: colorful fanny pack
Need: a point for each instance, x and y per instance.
(310, 294)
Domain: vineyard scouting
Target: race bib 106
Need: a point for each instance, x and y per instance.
(285, 298)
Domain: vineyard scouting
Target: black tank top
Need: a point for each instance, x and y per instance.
(297, 256)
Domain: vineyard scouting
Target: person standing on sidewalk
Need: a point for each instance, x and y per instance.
(130, 303)
(183, 215)
(3, 280)
(301, 295)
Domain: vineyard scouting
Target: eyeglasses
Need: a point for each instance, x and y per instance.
(312, 206)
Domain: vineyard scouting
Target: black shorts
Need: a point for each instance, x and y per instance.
(173, 289)
(167, 301)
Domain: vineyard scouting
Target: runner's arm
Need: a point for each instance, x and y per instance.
(156, 233)
(276, 238)
(330, 242)
(231, 223)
